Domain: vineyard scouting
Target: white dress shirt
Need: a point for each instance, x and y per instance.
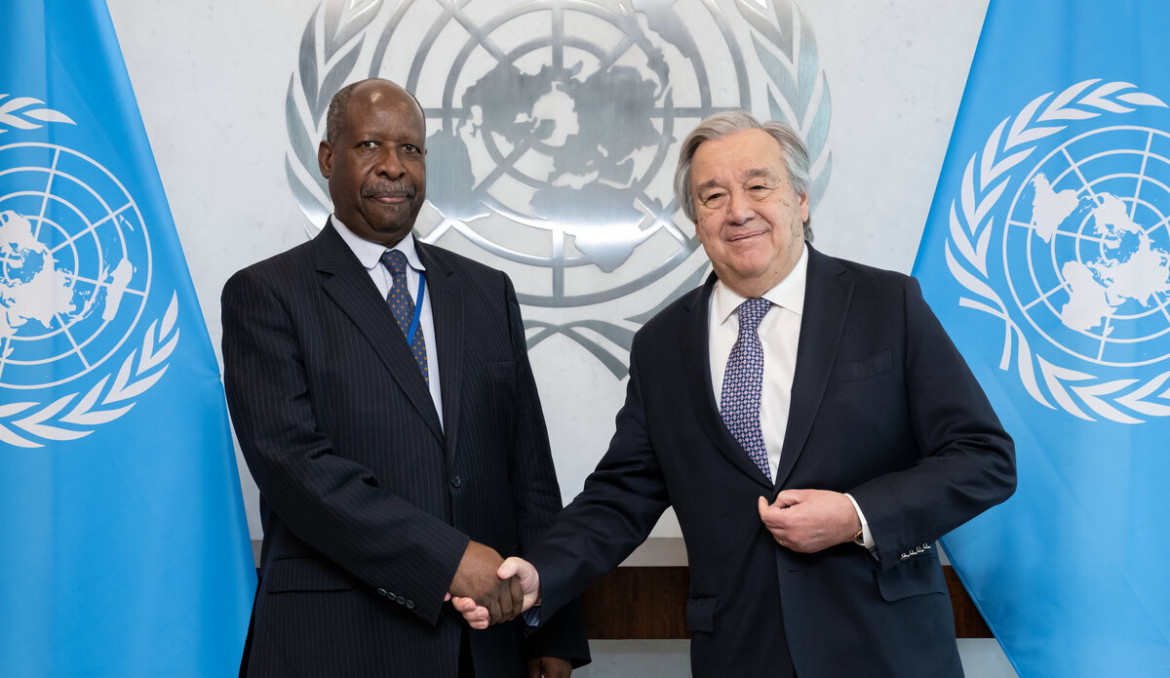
(779, 332)
(370, 256)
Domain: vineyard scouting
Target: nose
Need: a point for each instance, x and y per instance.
(389, 164)
(739, 207)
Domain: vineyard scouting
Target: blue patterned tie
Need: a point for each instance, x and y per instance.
(739, 402)
(403, 307)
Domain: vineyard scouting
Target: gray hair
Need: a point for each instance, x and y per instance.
(727, 123)
(335, 118)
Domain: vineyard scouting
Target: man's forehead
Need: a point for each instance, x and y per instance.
(729, 171)
(373, 113)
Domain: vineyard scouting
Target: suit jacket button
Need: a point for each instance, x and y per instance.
(382, 592)
(456, 481)
(410, 604)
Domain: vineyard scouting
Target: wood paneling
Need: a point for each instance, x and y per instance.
(650, 603)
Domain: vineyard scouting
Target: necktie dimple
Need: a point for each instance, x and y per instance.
(403, 307)
(739, 403)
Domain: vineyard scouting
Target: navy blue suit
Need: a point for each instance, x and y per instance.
(883, 407)
(367, 502)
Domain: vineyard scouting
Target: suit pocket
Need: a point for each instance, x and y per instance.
(915, 577)
(304, 573)
(852, 370)
(701, 615)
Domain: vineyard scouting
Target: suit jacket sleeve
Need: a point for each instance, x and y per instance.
(621, 502)
(966, 460)
(328, 501)
(537, 497)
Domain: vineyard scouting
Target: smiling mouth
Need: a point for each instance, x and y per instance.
(745, 236)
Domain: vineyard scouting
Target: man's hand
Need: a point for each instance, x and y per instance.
(549, 667)
(513, 569)
(808, 521)
(499, 597)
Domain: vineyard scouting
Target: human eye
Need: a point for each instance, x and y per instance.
(760, 189)
(713, 199)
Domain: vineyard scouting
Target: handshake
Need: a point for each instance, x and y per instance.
(489, 590)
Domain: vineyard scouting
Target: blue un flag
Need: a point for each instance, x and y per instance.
(1047, 256)
(123, 544)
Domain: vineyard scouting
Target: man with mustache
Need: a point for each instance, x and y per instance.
(381, 392)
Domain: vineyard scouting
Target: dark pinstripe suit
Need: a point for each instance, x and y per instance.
(367, 504)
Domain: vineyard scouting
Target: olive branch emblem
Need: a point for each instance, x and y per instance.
(333, 41)
(101, 404)
(27, 113)
(971, 222)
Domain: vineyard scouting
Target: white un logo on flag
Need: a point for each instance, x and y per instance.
(75, 276)
(1087, 248)
(1071, 249)
(76, 265)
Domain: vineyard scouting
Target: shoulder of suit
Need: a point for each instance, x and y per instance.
(294, 259)
(678, 311)
(861, 273)
(302, 252)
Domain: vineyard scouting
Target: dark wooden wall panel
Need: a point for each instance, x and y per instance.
(650, 603)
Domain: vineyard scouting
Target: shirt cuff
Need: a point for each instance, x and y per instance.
(866, 539)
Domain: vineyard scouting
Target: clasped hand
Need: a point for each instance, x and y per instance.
(513, 570)
(808, 521)
(494, 598)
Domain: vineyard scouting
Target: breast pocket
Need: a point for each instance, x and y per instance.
(854, 370)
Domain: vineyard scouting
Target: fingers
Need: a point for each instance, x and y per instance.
(475, 615)
(555, 667)
(517, 593)
(495, 616)
(509, 604)
(509, 568)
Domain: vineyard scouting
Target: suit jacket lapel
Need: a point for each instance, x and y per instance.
(349, 286)
(697, 371)
(826, 305)
(447, 311)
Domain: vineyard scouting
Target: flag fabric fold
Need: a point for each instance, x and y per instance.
(1046, 255)
(124, 548)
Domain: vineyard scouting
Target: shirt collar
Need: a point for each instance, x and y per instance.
(370, 253)
(789, 293)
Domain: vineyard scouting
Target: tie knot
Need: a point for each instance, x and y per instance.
(752, 311)
(395, 262)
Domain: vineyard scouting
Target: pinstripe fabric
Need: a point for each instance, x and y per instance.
(366, 505)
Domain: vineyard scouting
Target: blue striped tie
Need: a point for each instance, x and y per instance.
(403, 307)
(739, 402)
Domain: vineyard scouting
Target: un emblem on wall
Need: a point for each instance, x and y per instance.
(1085, 246)
(553, 129)
(75, 271)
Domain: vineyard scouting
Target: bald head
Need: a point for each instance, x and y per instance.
(337, 107)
